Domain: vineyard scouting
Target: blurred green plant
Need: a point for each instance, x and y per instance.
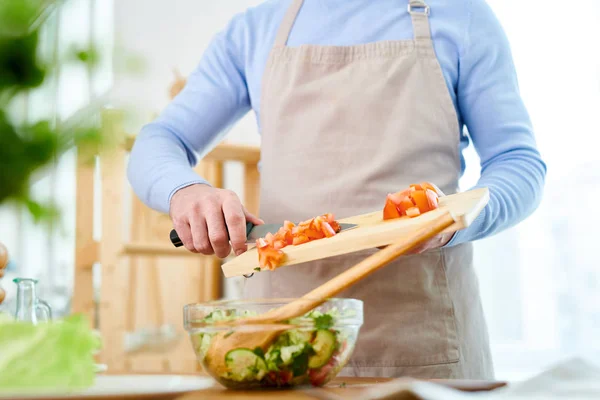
(26, 149)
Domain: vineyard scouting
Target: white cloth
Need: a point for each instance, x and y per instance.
(574, 379)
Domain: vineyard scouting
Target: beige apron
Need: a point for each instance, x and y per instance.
(341, 128)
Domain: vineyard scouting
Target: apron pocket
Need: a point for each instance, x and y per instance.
(409, 315)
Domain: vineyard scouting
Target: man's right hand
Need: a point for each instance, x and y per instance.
(202, 215)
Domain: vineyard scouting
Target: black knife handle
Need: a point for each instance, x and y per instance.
(178, 243)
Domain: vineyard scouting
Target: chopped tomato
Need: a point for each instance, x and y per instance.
(405, 204)
(335, 226)
(318, 377)
(413, 212)
(431, 186)
(389, 210)
(300, 239)
(327, 229)
(269, 257)
(284, 235)
(329, 218)
(288, 225)
(269, 238)
(396, 198)
(420, 199)
(286, 377)
(305, 224)
(314, 234)
(432, 199)
(402, 194)
(269, 248)
(281, 378)
(317, 222)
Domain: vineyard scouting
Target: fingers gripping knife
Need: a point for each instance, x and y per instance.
(249, 229)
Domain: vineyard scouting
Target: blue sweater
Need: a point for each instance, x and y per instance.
(476, 62)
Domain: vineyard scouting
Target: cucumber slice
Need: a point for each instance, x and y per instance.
(244, 364)
(324, 346)
(300, 336)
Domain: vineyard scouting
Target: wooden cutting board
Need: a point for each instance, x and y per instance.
(372, 232)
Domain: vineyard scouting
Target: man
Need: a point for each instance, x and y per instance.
(357, 99)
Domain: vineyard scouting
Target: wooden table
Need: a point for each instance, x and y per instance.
(342, 388)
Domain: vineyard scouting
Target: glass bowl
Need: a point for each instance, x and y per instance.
(310, 350)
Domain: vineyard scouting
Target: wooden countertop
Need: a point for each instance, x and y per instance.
(340, 388)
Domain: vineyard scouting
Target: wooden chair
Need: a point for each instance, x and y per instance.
(145, 281)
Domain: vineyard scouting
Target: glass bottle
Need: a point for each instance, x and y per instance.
(29, 306)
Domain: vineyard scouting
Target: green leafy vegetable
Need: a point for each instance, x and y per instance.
(300, 363)
(47, 357)
(259, 352)
(324, 321)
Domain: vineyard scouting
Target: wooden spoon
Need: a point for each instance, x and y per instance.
(223, 342)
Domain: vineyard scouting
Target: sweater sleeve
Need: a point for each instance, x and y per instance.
(499, 126)
(213, 99)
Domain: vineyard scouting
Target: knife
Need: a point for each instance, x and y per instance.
(254, 232)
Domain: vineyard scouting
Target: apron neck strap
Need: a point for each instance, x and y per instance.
(419, 14)
(418, 10)
(287, 23)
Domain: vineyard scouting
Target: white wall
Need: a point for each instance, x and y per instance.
(168, 35)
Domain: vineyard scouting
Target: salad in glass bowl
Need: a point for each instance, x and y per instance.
(310, 350)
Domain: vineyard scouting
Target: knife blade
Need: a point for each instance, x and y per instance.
(254, 232)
